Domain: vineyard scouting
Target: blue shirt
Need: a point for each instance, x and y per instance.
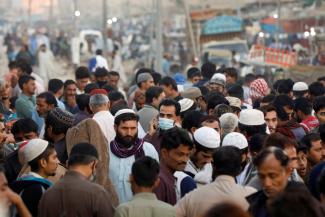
(25, 105)
(60, 104)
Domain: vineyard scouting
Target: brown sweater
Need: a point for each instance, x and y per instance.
(89, 131)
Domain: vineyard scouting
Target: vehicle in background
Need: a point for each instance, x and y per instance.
(222, 52)
(90, 41)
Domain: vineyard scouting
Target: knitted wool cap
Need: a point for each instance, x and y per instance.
(62, 116)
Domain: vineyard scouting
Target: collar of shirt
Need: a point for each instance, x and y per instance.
(103, 114)
(31, 98)
(191, 166)
(36, 175)
(149, 106)
(224, 178)
(145, 195)
(74, 175)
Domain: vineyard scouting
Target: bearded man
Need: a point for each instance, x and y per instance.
(124, 150)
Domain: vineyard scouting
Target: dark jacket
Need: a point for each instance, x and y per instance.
(155, 140)
(61, 150)
(31, 190)
(12, 166)
(258, 202)
(313, 178)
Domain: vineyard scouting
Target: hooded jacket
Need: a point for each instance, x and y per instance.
(31, 189)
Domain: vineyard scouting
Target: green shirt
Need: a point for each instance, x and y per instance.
(145, 205)
(25, 105)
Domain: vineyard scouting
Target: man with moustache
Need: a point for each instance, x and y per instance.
(176, 148)
(270, 117)
(273, 171)
(124, 150)
(45, 102)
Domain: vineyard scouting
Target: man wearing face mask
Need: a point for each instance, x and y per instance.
(101, 76)
(124, 150)
(64, 198)
(169, 116)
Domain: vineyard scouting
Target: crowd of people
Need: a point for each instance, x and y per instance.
(212, 145)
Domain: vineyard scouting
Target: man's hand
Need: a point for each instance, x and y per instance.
(16, 200)
(12, 196)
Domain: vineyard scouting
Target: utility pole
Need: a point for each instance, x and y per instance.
(104, 25)
(75, 43)
(30, 12)
(76, 17)
(277, 39)
(127, 11)
(51, 20)
(159, 38)
(190, 28)
(152, 33)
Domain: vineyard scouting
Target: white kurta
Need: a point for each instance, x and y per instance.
(101, 62)
(120, 170)
(106, 122)
(46, 65)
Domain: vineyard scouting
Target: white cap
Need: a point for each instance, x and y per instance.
(186, 104)
(235, 139)
(33, 149)
(300, 86)
(251, 117)
(207, 137)
(124, 111)
(219, 79)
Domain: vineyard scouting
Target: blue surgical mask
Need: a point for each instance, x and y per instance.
(165, 123)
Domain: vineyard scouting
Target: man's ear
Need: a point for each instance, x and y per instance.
(131, 178)
(24, 85)
(91, 109)
(43, 162)
(49, 129)
(288, 171)
(164, 153)
(178, 120)
(156, 184)
(108, 105)
(193, 129)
